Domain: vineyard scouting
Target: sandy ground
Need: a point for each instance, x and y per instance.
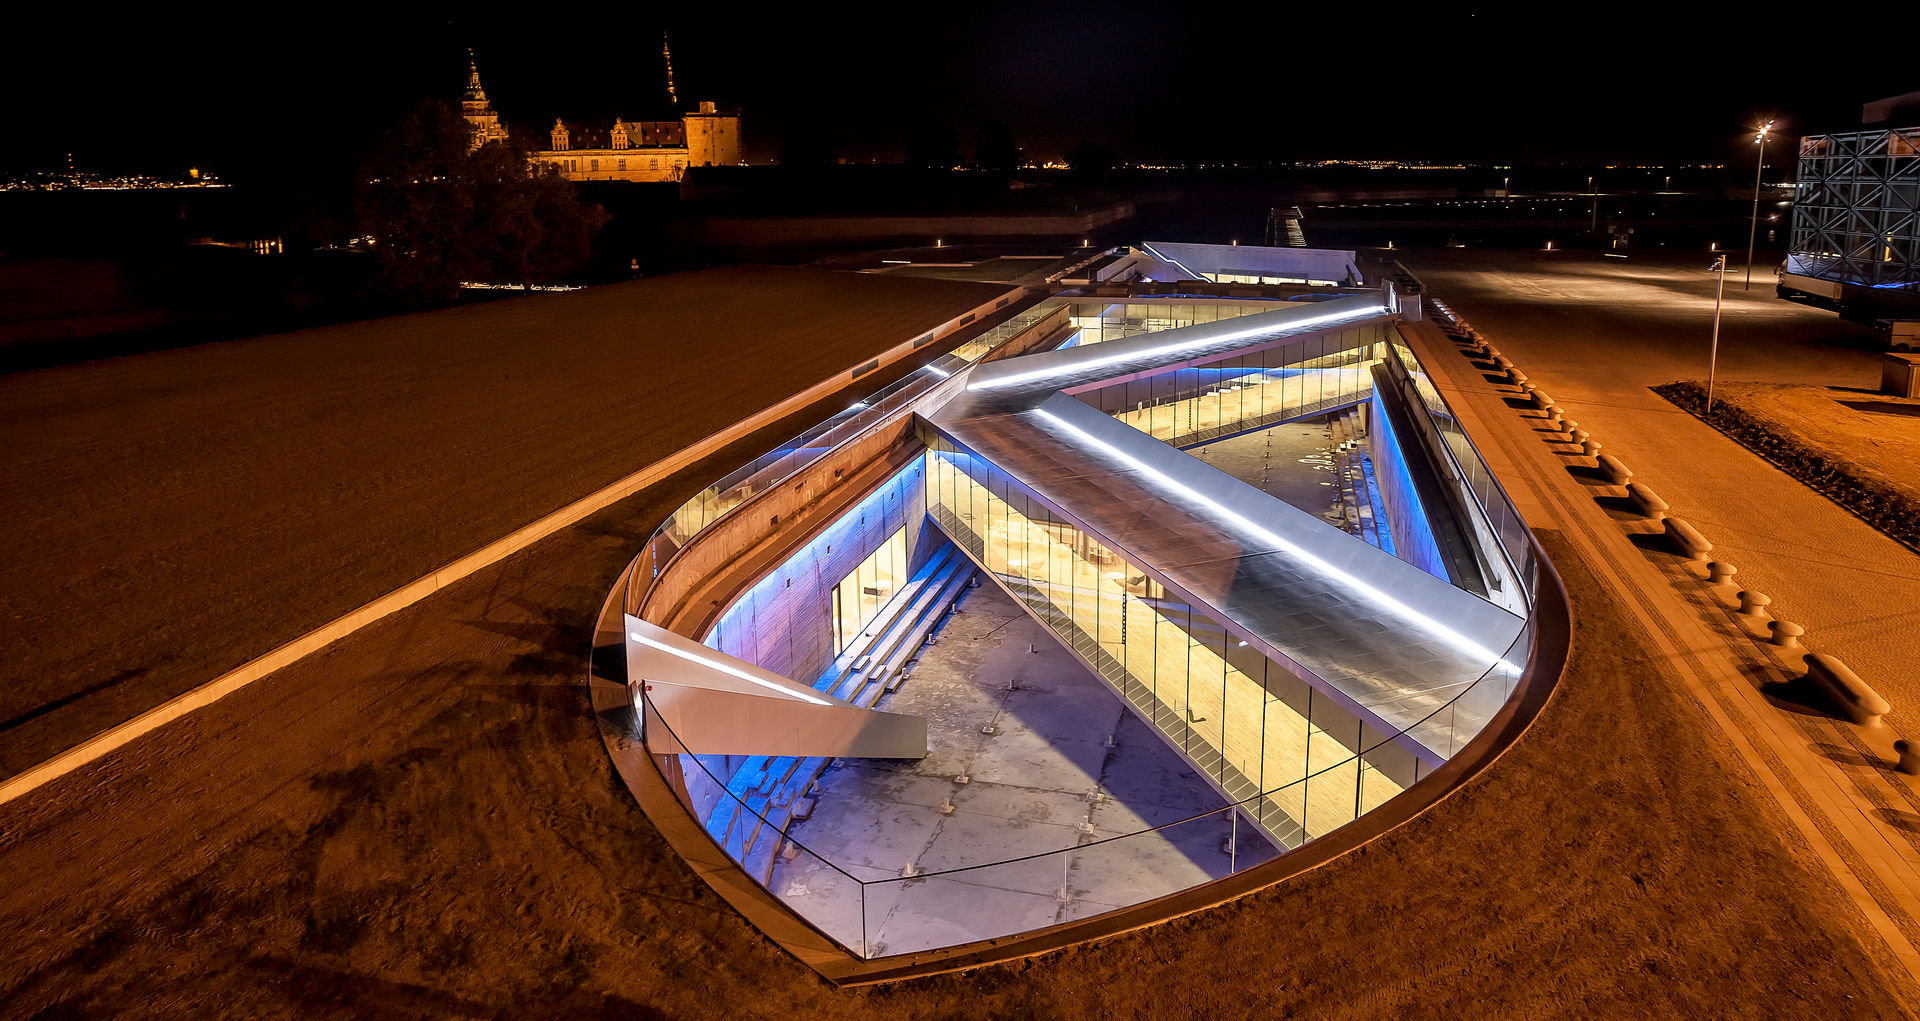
(171, 515)
(421, 822)
(1875, 431)
(1861, 446)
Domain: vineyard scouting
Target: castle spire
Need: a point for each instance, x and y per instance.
(667, 52)
(475, 94)
(484, 123)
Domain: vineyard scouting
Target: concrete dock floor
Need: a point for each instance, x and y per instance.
(1043, 795)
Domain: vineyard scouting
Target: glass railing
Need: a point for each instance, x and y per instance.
(876, 909)
(1494, 516)
(783, 462)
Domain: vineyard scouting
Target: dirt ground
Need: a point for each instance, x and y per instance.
(421, 822)
(1855, 445)
(172, 515)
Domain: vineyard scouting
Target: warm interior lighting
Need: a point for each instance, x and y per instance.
(1358, 585)
(1153, 352)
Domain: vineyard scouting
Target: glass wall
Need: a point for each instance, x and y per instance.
(1500, 537)
(1098, 321)
(777, 466)
(1266, 278)
(858, 597)
(1248, 723)
(1308, 376)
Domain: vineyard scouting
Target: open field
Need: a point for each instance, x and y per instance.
(172, 515)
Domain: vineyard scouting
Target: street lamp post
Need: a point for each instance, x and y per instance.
(1754, 227)
(1593, 224)
(1713, 358)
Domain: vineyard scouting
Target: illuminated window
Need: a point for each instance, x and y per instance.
(858, 598)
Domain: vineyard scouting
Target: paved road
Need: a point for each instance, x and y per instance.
(169, 516)
(1597, 332)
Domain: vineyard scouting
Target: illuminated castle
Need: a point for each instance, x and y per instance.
(625, 151)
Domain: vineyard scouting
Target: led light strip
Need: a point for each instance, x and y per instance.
(1225, 338)
(725, 668)
(1446, 634)
(1176, 263)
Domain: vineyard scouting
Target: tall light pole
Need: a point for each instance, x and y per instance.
(1713, 359)
(1754, 227)
(1593, 224)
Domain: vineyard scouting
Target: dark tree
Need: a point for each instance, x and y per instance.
(809, 146)
(995, 149)
(1092, 160)
(933, 146)
(438, 214)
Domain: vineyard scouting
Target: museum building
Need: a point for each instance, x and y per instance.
(1290, 643)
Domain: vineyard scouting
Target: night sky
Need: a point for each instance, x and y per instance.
(163, 90)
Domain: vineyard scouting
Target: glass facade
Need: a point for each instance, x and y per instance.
(1097, 322)
(778, 465)
(1249, 724)
(1190, 406)
(1295, 757)
(1500, 539)
(1266, 278)
(858, 597)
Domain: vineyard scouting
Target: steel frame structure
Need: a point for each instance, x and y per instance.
(1856, 218)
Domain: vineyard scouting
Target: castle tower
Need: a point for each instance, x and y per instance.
(559, 136)
(713, 136)
(618, 136)
(485, 124)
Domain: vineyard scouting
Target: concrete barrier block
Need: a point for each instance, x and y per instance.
(1502, 362)
(1516, 377)
(1646, 501)
(1615, 472)
(1540, 399)
(1719, 572)
(1786, 634)
(1909, 757)
(1858, 702)
(1754, 604)
(1685, 539)
(1591, 448)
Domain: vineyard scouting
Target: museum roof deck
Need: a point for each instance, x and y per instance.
(1386, 637)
